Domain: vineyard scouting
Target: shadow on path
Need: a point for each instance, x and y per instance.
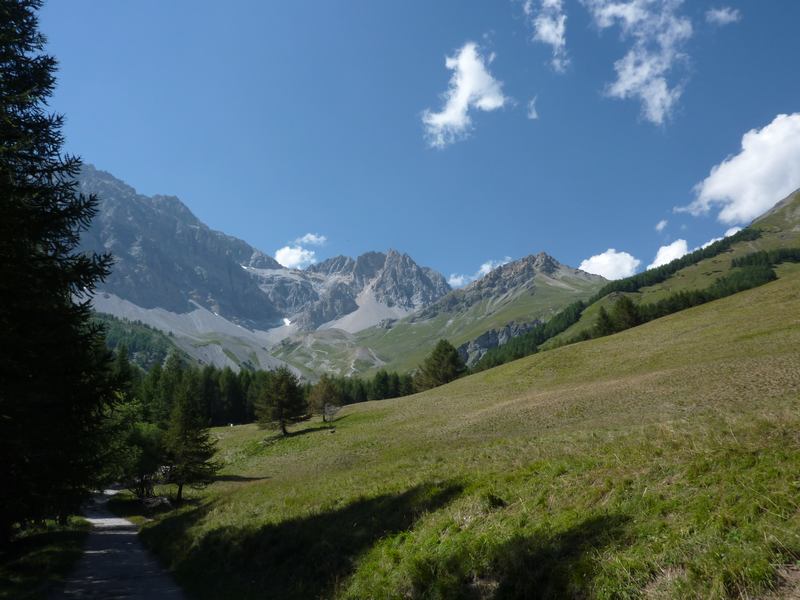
(114, 563)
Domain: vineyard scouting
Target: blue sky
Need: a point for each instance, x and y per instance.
(406, 124)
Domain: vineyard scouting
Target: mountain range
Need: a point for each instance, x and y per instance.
(227, 303)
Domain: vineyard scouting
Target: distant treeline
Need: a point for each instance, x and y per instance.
(660, 274)
(746, 272)
(230, 397)
(626, 314)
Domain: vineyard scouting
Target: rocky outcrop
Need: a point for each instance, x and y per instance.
(472, 351)
(514, 278)
(166, 258)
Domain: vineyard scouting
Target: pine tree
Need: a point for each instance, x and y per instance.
(188, 439)
(626, 314)
(443, 364)
(380, 386)
(604, 326)
(55, 383)
(280, 401)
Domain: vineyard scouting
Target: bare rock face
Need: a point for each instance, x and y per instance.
(401, 282)
(514, 278)
(167, 258)
(472, 351)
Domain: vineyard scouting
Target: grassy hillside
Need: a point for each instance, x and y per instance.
(780, 228)
(405, 345)
(660, 462)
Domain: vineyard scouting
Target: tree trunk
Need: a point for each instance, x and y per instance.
(283, 428)
(179, 497)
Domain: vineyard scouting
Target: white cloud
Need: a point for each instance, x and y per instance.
(658, 33)
(666, 254)
(295, 257)
(732, 231)
(661, 225)
(460, 280)
(728, 233)
(312, 239)
(471, 86)
(766, 170)
(533, 114)
(549, 23)
(611, 264)
(724, 15)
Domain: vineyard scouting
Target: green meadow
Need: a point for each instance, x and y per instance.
(659, 462)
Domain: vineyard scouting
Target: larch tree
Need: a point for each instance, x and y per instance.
(280, 401)
(325, 398)
(442, 365)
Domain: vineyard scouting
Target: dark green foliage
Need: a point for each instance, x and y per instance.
(280, 402)
(441, 366)
(188, 443)
(605, 325)
(768, 258)
(625, 314)
(380, 388)
(55, 388)
(146, 346)
(145, 455)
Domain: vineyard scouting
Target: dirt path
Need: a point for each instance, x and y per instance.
(114, 562)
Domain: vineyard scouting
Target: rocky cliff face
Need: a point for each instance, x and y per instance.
(166, 258)
(472, 351)
(509, 280)
(339, 286)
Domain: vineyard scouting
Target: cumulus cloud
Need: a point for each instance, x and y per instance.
(471, 87)
(533, 114)
(661, 225)
(724, 15)
(666, 254)
(766, 170)
(312, 239)
(611, 264)
(295, 257)
(549, 23)
(460, 280)
(658, 34)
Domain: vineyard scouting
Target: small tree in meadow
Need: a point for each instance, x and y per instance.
(280, 401)
(325, 398)
(188, 440)
(442, 365)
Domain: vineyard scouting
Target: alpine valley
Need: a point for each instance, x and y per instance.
(223, 302)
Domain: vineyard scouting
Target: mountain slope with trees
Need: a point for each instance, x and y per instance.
(660, 461)
(524, 291)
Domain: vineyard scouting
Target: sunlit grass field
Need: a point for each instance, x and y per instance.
(661, 462)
